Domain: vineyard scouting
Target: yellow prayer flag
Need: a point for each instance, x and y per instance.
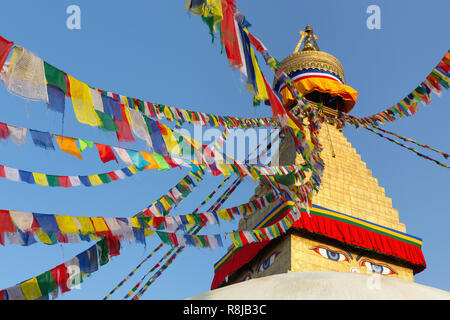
(40, 178)
(168, 113)
(127, 114)
(171, 142)
(148, 232)
(95, 180)
(261, 90)
(69, 145)
(31, 289)
(66, 224)
(42, 236)
(222, 214)
(99, 224)
(135, 222)
(86, 226)
(165, 203)
(82, 103)
(132, 169)
(124, 101)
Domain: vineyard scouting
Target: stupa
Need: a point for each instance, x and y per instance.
(352, 235)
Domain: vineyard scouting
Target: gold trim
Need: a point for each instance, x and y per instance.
(304, 60)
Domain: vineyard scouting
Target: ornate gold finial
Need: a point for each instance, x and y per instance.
(307, 35)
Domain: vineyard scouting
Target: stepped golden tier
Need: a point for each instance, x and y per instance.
(352, 226)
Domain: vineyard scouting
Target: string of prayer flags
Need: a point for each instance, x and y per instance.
(22, 228)
(434, 82)
(245, 64)
(445, 155)
(406, 147)
(177, 198)
(66, 276)
(136, 286)
(166, 264)
(215, 206)
(139, 159)
(133, 272)
(36, 79)
(241, 238)
(19, 175)
(105, 248)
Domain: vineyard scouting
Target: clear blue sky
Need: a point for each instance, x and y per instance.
(157, 52)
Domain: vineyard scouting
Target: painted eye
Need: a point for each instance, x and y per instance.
(331, 254)
(247, 277)
(268, 262)
(377, 268)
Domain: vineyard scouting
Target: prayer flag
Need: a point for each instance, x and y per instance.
(42, 139)
(82, 103)
(55, 77)
(5, 48)
(69, 146)
(105, 152)
(46, 283)
(18, 135)
(31, 289)
(56, 98)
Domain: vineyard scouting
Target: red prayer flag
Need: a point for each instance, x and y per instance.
(4, 131)
(64, 181)
(124, 130)
(113, 246)
(171, 163)
(173, 239)
(5, 48)
(6, 224)
(275, 103)
(229, 34)
(61, 277)
(113, 176)
(106, 153)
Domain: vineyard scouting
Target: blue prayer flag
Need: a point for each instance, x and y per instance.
(56, 98)
(42, 139)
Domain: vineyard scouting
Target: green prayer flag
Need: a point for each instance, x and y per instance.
(164, 237)
(53, 181)
(108, 123)
(203, 241)
(169, 199)
(162, 163)
(84, 144)
(46, 283)
(184, 191)
(55, 77)
(104, 177)
(102, 249)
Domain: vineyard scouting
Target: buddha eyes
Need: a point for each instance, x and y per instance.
(331, 254)
(370, 266)
(377, 268)
(247, 277)
(268, 262)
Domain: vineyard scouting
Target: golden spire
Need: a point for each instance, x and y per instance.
(307, 35)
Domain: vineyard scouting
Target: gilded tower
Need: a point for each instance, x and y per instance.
(354, 227)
